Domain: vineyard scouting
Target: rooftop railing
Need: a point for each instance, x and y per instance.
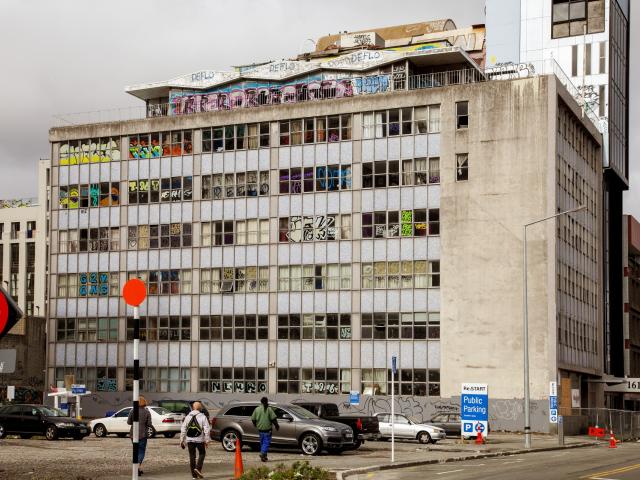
(254, 97)
(582, 94)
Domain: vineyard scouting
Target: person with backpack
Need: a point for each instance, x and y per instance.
(144, 423)
(194, 434)
(264, 418)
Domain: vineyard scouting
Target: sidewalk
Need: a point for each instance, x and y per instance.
(371, 457)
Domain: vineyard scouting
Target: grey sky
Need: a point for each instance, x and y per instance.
(67, 56)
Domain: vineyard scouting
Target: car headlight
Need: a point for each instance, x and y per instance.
(65, 424)
(328, 428)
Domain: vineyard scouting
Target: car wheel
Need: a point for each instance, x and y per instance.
(151, 432)
(100, 430)
(311, 444)
(229, 438)
(25, 435)
(424, 437)
(170, 434)
(3, 432)
(51, 432)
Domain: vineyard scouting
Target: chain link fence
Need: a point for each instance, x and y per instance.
(624, 424)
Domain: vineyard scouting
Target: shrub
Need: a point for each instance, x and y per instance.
(297, 471)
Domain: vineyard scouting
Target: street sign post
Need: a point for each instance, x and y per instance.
(134, 293)
(553, 402)
(78, 389)
(394, 370)
(474, 409)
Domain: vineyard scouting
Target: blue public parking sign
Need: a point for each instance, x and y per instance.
(474, 409)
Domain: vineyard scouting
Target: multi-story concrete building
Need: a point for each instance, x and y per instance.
(23, 273)
(587, 41)
(299, 222)
(631, 297)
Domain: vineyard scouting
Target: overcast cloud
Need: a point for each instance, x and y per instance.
(67, 56)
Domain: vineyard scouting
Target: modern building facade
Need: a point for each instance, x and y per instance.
(298, 223)
(589, 42)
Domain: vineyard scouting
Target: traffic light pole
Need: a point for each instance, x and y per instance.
(136, 392)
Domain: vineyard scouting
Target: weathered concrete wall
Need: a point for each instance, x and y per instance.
(503, 414)
(28, 377)
(511, 172)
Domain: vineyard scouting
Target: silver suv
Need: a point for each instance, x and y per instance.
(298, 428)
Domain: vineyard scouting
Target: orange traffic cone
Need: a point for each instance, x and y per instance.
(239, 468)
(479, 438)
(612, 440)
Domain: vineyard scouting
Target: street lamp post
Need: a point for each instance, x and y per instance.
(527, 406)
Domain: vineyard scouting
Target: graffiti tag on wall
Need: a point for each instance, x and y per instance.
(308, 229)
(253, 96)
(90, 151)
(93, 284)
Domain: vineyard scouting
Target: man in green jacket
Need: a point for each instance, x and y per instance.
(263, 418)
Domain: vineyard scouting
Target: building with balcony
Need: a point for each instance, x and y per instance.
(300, 222)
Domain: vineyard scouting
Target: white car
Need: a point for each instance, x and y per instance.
(163, 421)
(406, 429)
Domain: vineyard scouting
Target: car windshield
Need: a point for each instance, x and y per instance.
(50, 412)
(161, 410)
(301, 412)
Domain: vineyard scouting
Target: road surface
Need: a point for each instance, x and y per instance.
(590, 463)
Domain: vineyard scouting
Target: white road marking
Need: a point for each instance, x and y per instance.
(450, 471)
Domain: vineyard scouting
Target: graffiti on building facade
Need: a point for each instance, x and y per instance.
(101, 194)
(310, 228)
(252, 94)
(94, 150)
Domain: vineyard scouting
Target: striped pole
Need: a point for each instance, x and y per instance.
(134, 293)
(136, 392)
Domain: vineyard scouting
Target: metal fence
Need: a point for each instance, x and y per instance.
(277, 94)
(318, 90)
(625, 424)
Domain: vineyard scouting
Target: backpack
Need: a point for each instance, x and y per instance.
(194, 429)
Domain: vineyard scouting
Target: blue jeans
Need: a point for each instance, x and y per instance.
(142, 448)
(265, 441)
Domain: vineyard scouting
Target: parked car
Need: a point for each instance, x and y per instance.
(29, 420)
(299, 428)
(163, 421)
(180, 406)
(408, 430)
(363, 427)
(449, 422)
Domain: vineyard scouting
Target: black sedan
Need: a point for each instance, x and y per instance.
(30, 420)
(449, 422)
